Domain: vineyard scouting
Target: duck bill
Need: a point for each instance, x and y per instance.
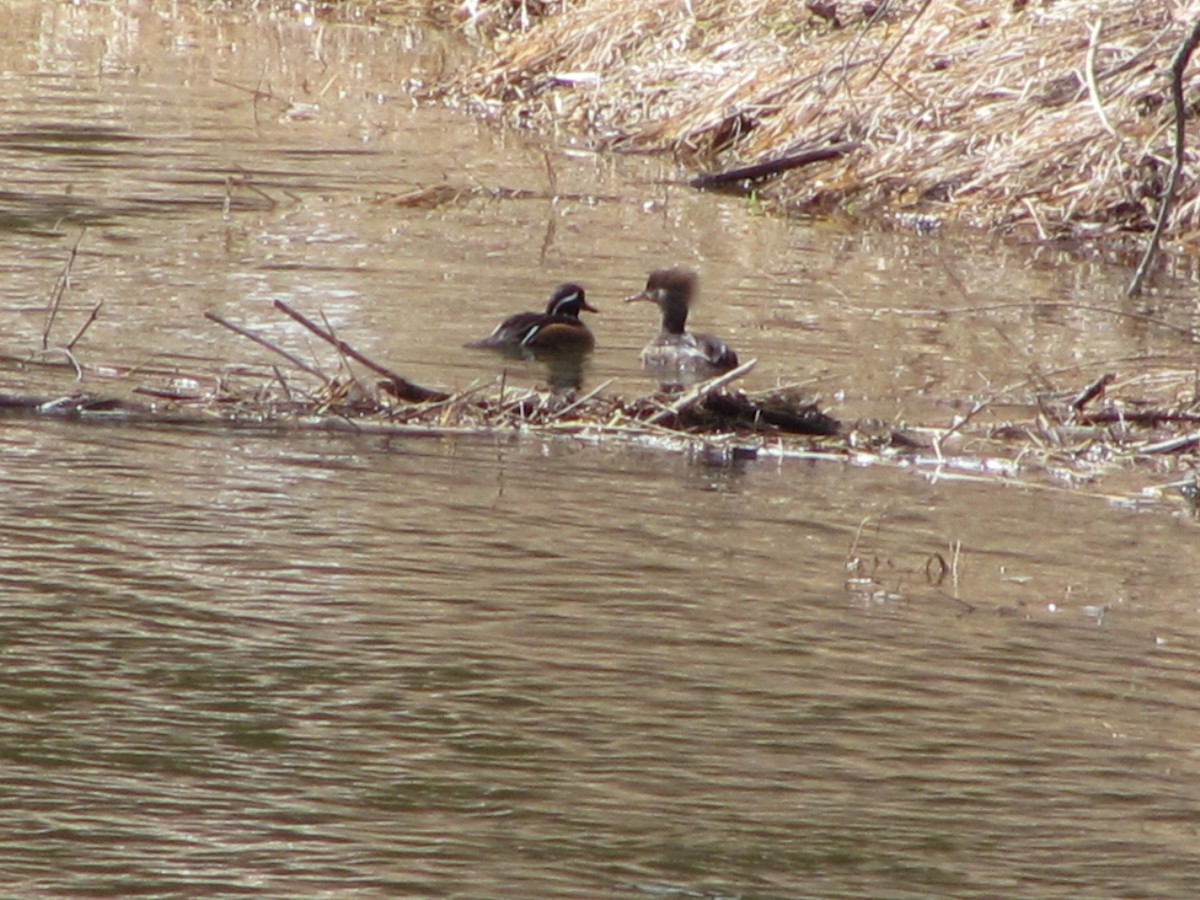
(640, 295)
(583, 304)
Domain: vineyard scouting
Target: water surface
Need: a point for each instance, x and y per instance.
(302, 665)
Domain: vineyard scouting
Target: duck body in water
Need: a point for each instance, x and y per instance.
(557, 330)
(676, 356)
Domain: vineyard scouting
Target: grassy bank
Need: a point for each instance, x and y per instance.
(1051, 118)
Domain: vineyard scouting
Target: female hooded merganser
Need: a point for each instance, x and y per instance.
(557, 330)
(678, 356)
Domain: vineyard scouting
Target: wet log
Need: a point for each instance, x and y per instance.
(743, 177)
(736, 410)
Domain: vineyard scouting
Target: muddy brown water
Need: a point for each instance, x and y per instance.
(297, 665)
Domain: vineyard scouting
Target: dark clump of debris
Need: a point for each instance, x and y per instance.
(778, 411)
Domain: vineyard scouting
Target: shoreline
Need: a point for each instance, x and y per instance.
(1049, 122)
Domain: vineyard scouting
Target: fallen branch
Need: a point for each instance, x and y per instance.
(404, 389)
(1178, 65)
(777, 413)
(1173, 445)
(449, 402)
(1093, 390)
(702, 390)
(759, 171)
(582, 400)
(1148, 417)
(263, 342)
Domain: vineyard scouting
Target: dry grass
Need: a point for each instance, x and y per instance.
(1050, 116)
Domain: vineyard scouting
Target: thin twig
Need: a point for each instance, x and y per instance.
(287, 391)
(71, 360)
(582, 400)
(263, 342)
(700, 391)
(979, 406)
(848, 53)
(850, 554)
(254, 92)
(1090, 72)
(405, 389)
(503, 409)
(85, 326)
(900, 40)
(1172, 445)
(339, 343)
(60, 287)
(1037, 223)
(1178, 65)
(246, 181)
(1093, 390)
(175, 396)
(956, 547)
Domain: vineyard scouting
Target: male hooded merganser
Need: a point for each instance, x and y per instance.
(558, 329)
(678, 356)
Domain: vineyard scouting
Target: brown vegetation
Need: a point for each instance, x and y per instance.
(1051, 117)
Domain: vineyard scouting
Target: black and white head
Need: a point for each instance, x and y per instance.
(568, 300)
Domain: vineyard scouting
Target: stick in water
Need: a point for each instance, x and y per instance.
(700, 391)
(263, 342)
(60, 288)
(405, 389)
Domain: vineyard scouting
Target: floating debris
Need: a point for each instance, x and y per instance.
(1109, 428)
